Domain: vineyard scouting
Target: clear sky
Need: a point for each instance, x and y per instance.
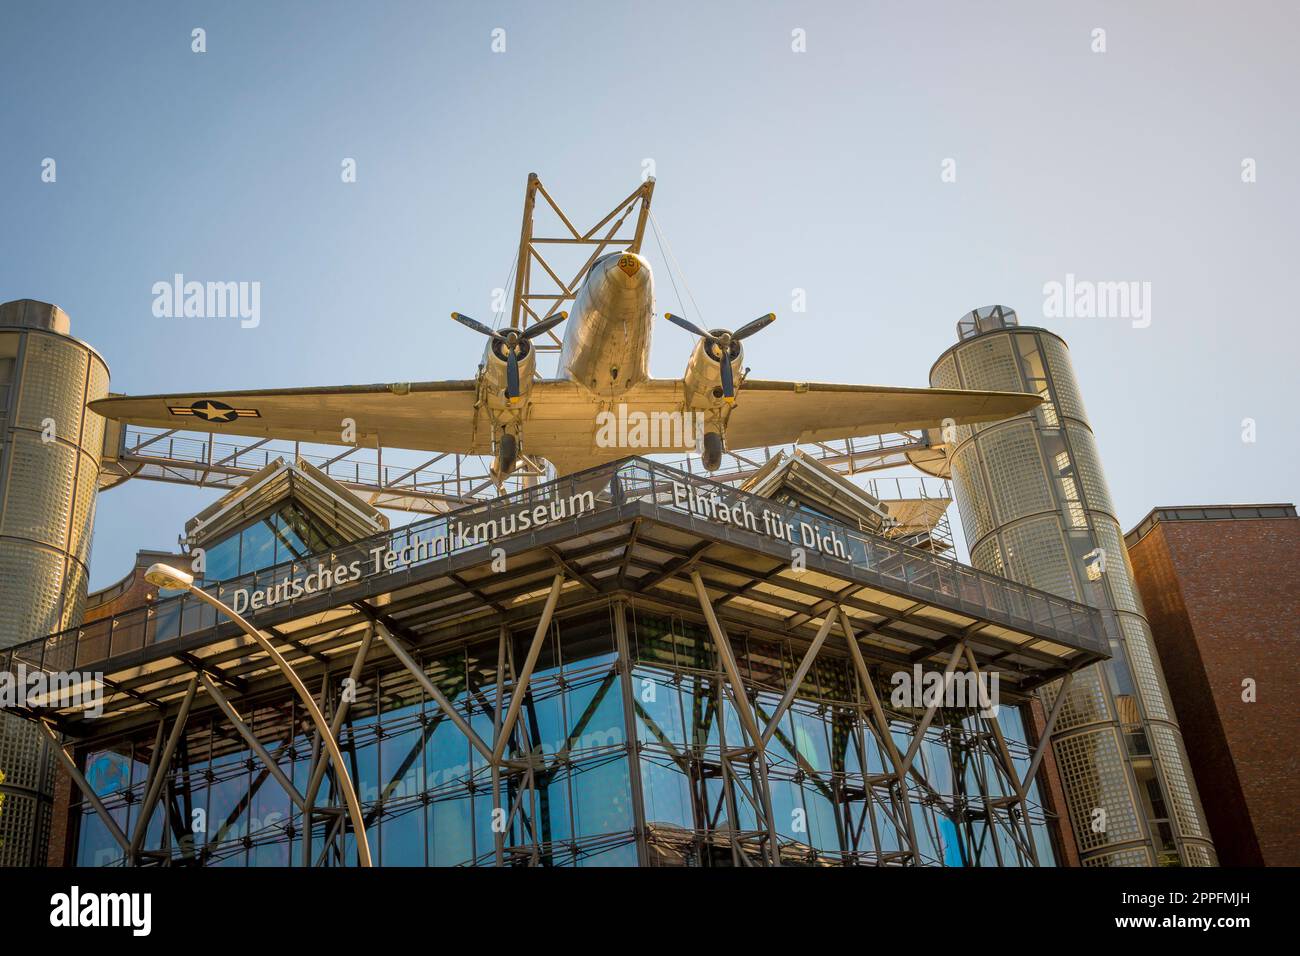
(776, 170)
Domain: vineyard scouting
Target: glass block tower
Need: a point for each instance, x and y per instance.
(1035, 507)
(50, 449)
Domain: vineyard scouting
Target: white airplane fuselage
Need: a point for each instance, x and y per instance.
(607, 335)
(604, 363)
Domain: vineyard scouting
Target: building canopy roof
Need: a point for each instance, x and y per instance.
(635, 529)
(325, 498)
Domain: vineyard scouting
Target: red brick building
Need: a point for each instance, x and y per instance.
(1221, 587)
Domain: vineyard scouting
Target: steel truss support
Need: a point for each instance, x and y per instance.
(319, 761)
(407, 661)
(1002, 757)
(1017, 823)
(520, 688)
(880, 798)
(236, 721)
(313, 710)
(517, 776)
(158, 773)
(918, 737)
(888, 792)
(754, 749)
(1017, 806)
(531, 305)
(499, 832)
(157, 777)
(900, 798)
(871, 810)
(522, 770)
(800, 673)
(624, 652)
(70, 766)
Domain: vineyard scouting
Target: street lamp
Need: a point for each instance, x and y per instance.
(165, 576)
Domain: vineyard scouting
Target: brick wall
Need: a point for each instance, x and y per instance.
(60, 820)
(1223, 598)
(1052, 791)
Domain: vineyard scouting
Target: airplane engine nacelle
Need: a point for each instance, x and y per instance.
(703, 378)
(495, 374)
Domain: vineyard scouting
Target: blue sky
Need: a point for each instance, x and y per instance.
(776, 170)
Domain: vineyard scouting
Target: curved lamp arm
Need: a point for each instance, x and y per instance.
(165, 576)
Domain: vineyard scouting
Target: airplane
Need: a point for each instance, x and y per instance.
(506, 410)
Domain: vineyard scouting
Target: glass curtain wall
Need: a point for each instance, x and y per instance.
(820, 759)
(283, 534)
(428, 794)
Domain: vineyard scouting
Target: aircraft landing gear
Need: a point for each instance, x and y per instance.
(507, 452)
(712, 454)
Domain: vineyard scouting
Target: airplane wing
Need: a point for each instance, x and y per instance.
(560, 422)
(427, 416)
(561, 425)
(779, 413)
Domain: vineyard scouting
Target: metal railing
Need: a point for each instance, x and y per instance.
(422, 482)
(190, 459)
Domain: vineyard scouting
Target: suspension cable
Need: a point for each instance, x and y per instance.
(670, 260)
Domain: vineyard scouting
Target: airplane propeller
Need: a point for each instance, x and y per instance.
(509, 340)
(722, 342)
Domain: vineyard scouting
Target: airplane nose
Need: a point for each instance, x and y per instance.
(626, 270)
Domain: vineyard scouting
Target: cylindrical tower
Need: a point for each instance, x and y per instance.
(50, 448)
(1035, 507)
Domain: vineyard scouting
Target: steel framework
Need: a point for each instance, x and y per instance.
(388, 478)
(738, 822)
(539, 297)
(893, 605)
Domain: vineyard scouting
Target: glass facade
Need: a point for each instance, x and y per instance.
(623, 764)
(822, 760)
(286, 533)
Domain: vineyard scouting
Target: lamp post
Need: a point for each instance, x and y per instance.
(165, 576)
